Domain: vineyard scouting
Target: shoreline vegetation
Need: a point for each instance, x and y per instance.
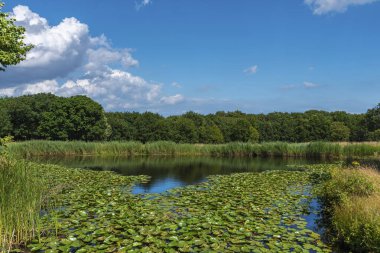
(271, 149)
(350, 199)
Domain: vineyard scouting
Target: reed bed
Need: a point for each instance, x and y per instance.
(271, 149)
(352, 199)
(20, 202)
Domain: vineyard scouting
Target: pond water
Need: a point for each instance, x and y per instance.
(170, 172)
(285, 214)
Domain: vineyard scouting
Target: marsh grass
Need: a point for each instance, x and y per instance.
(236, 149)
(21, 197)
(353, 197)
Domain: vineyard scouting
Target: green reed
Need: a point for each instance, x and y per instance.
(21, 197)
(270, 149)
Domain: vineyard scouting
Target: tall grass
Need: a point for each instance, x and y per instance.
(20, 202)
(352, 199)
(271, 149)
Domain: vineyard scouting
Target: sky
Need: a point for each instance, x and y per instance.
(173, 56)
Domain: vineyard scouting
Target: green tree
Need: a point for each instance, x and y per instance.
(5, 123)
(241, 131)
(210, 134)
(87, 119)
(183, 130)
(372, 119)
(339, 132)
(121, 129)
(318, 125)
(12, 47)
(146, 125)
(374, 136)
(254, 135)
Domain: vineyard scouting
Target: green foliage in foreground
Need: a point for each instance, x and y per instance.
(21, 198)
(272, 149)
(250, 212)
(352, 202)
(12, 47)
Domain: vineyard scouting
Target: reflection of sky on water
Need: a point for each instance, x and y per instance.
(170, 172)
(158, 186)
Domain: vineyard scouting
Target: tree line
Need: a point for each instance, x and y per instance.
(49, 117)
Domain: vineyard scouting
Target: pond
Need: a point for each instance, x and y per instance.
(168, 172)
(189, 204)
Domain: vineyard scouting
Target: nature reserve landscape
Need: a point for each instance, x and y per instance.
(189, 126)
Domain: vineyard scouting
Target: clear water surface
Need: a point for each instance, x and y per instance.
(170, 172)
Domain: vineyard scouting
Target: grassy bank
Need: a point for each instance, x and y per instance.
(21, 198)
(274, 149)
(352, 202)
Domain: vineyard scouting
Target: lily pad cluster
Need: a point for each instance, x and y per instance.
(247, 212)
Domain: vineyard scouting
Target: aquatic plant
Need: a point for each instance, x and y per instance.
(248, 212)
(236, 149)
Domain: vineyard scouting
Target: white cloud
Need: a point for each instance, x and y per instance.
(48, 86)
(7, 92)
(252, 70)
(172, 100)
(100, 57)
(142, 3)
(115, 89)
(321, 7)
(176, 85)
(67, 61)
(310, 85)
(58, 49)
(305, 85)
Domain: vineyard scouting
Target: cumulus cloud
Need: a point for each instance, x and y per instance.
(58, 51)
(172, 100)
(48, 86)
(321, 7)
(115, 89)
(252, 70)
(67, 61)
(98, 58)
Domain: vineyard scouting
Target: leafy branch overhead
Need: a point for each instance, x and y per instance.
(13, 49)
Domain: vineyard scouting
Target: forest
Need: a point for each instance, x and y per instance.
(49, 117)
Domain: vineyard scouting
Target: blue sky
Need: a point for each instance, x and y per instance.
(175, 56)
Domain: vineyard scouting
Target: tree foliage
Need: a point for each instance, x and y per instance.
(46, 116)
(12, 47)
(339, 132)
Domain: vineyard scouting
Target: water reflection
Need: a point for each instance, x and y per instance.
(170, 172)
